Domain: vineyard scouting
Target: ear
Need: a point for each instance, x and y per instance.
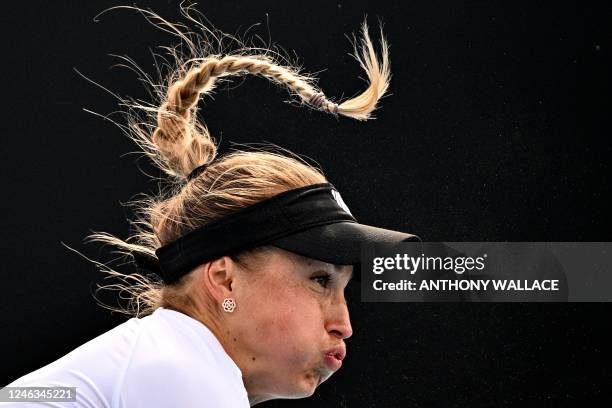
(219, 276)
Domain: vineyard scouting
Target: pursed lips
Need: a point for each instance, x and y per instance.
(334, 356)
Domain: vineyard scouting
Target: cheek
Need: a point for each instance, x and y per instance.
(287, 325)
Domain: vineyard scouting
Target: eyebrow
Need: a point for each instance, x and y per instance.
(324, 266)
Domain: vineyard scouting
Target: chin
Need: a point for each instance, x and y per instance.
(304, 384)
(307, 386)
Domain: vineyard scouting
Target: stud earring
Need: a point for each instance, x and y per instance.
(229, 305)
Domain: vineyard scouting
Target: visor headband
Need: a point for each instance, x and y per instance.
(284, 214)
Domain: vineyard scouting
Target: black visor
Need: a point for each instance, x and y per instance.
(339, 243)
(312, 221)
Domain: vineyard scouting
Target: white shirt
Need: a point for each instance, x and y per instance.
(166, 359)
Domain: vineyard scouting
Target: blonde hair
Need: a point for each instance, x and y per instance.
(171, 135)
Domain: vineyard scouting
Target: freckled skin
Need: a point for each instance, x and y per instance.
(283, 324)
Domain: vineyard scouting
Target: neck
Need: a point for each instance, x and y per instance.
(231, 344)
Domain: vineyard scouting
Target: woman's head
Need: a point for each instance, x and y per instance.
(287, 332)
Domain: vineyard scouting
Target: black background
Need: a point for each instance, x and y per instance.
(494, 132)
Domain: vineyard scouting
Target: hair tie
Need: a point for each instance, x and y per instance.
(318, 100)
(195, 172)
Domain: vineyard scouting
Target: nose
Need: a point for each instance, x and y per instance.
(339, 321)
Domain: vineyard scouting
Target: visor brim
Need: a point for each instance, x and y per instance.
(340, 243)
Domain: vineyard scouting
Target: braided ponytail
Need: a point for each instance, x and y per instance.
(185, 148)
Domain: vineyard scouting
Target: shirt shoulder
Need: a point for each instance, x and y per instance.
(178, 362)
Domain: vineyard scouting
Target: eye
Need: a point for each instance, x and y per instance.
(322, 280)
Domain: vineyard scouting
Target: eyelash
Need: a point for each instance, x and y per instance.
(327, 278)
